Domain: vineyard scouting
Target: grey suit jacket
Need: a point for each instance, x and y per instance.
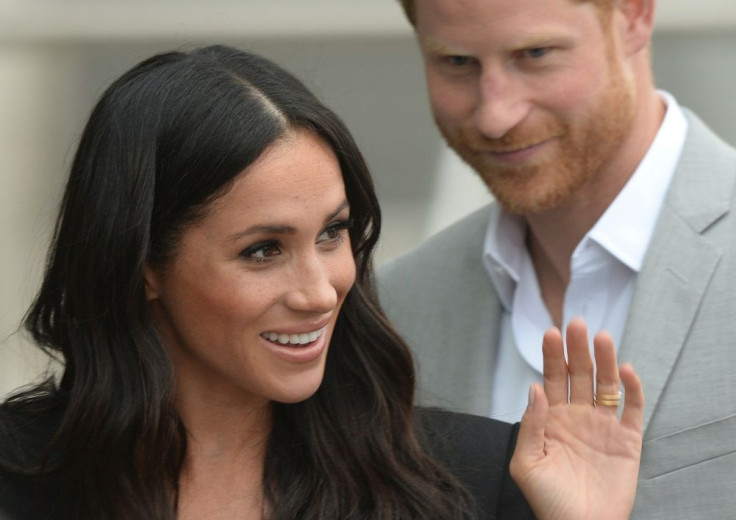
(680, 332)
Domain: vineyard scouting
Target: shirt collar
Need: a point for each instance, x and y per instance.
(624, 230)
(503, 252)
(626, 227)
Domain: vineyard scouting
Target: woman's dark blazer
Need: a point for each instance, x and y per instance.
(476, 450)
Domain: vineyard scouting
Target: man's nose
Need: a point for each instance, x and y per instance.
(502, 103)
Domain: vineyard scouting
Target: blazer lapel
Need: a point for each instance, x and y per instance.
(470, 324)
(680, 262)
(670, 288)
(483, 335)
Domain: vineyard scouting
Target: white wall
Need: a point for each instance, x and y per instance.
(360, 57)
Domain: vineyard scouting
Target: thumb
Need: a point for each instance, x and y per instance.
(530, 442)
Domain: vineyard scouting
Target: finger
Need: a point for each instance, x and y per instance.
(555, 367)
(633, 413)
(579, 363)
(530, 441)
(606, 371)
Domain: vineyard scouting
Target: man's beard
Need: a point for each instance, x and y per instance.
(582, 149)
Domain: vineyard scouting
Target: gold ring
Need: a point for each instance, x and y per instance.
(608, 399)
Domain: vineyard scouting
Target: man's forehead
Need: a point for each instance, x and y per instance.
(453, 28)
(410, 6)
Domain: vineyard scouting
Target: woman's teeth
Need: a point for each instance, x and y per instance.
(293, 339)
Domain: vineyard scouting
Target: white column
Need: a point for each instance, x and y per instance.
(32, 99)
(458, 191)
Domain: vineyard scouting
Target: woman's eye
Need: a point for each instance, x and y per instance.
(262, 252)
(335, 233)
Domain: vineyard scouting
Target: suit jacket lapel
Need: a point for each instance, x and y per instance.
(680, 262)
(471, 325)
(670, 287)
(484, 337)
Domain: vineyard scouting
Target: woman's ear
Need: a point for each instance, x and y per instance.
(151, 281)
(637, 19)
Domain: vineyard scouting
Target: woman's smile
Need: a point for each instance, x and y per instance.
(302, 338)
(250, 299)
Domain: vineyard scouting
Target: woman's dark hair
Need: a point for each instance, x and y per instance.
(165, 140)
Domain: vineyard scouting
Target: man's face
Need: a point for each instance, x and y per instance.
(533, 94)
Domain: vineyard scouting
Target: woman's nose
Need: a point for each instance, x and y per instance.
(313, 290)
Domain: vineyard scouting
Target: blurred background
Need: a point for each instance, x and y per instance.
(360, 57)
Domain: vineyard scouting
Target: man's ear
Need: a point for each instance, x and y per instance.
(151, 281)
(636, 18)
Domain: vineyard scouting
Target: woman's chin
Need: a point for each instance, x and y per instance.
(298, 391)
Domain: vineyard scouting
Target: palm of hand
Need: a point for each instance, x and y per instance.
(574, 460)
(588, 457)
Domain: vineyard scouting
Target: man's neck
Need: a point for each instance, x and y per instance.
(552, 236)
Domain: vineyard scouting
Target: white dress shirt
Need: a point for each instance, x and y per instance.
(603, 270)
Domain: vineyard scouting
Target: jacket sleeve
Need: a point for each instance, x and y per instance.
(477, 451)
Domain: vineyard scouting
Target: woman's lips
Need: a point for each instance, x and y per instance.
(297, 351)
(298, 339)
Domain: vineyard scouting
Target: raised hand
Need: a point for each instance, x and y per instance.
(575, 459)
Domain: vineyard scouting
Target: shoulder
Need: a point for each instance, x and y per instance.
(443, 265)
(701, 139)
(23, 440)
(477, 450)
(466, 234)
(703, 189)
(706, 169)
(27, 498)
(445, 429)
(469, 443)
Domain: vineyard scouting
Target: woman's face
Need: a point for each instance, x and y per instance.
(248, 304)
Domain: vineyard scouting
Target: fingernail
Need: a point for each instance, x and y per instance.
(531, 396)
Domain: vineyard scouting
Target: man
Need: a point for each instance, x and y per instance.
(612, 203)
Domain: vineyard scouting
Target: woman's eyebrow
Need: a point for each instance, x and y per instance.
(279, 229)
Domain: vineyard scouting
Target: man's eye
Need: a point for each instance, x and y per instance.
(458, 61)
(536, 52)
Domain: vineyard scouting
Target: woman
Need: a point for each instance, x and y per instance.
(214, 240)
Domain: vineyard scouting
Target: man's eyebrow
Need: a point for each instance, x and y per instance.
(542, 40)
(277, 229)
(439, 48)
(523, 42)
